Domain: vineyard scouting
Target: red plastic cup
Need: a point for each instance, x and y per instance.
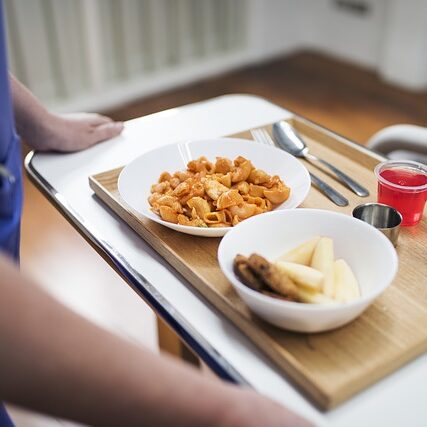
(403, 185)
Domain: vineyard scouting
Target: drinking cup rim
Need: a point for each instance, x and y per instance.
(389, 164)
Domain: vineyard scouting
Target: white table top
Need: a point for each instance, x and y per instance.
(394, 401)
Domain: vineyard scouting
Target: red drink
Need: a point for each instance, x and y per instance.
(403, 185)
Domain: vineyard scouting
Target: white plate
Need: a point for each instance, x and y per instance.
(136, 178)
(369, 253)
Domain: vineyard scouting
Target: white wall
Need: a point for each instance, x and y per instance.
(390, 38)
(94, 54)
(403, 58)
(273, 28)
(338, 32)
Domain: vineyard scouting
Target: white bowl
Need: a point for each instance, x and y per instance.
(137, 177)
(369, 253)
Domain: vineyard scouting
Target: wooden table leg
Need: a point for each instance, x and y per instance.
(170, 343)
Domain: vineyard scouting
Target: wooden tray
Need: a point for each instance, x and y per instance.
(330, 367)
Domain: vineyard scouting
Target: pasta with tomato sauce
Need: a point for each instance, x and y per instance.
(216, 194)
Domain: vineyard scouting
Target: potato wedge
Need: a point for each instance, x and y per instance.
(302, 275)
(311, 297)
(323, 260)
(346, 285)
(302, 254)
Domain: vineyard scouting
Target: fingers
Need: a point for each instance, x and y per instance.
(106, 131)
(92, 119)
(97, 119)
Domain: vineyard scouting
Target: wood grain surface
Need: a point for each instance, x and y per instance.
(329, 367)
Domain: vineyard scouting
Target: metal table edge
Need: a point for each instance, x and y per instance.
(213, 359)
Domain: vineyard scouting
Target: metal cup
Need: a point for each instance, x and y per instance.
(383, 217)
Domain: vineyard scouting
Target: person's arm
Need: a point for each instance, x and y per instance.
(43, 130)
(56, 362)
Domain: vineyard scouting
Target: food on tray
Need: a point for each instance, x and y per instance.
(307, 273)
(323, 260)
(302, 275)
(263, 276)
(302, 254)
(246, 275)
(346, 286)
(219, 194)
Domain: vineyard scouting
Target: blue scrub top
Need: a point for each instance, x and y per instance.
(10, 157)
(10, 189)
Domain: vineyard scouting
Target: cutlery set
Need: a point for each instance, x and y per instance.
(287, 138)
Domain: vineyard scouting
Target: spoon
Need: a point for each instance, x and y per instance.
(263, 137)
(289, 140)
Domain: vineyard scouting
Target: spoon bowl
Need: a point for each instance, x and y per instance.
(292, 143)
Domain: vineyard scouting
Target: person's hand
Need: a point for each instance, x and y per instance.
(74, 132)
(43, 130)
(249, 409)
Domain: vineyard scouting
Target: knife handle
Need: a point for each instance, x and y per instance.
(343, 177)
(328, 191)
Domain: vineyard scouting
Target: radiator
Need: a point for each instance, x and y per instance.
(94, 54)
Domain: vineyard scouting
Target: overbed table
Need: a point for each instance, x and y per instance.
(394, 401)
